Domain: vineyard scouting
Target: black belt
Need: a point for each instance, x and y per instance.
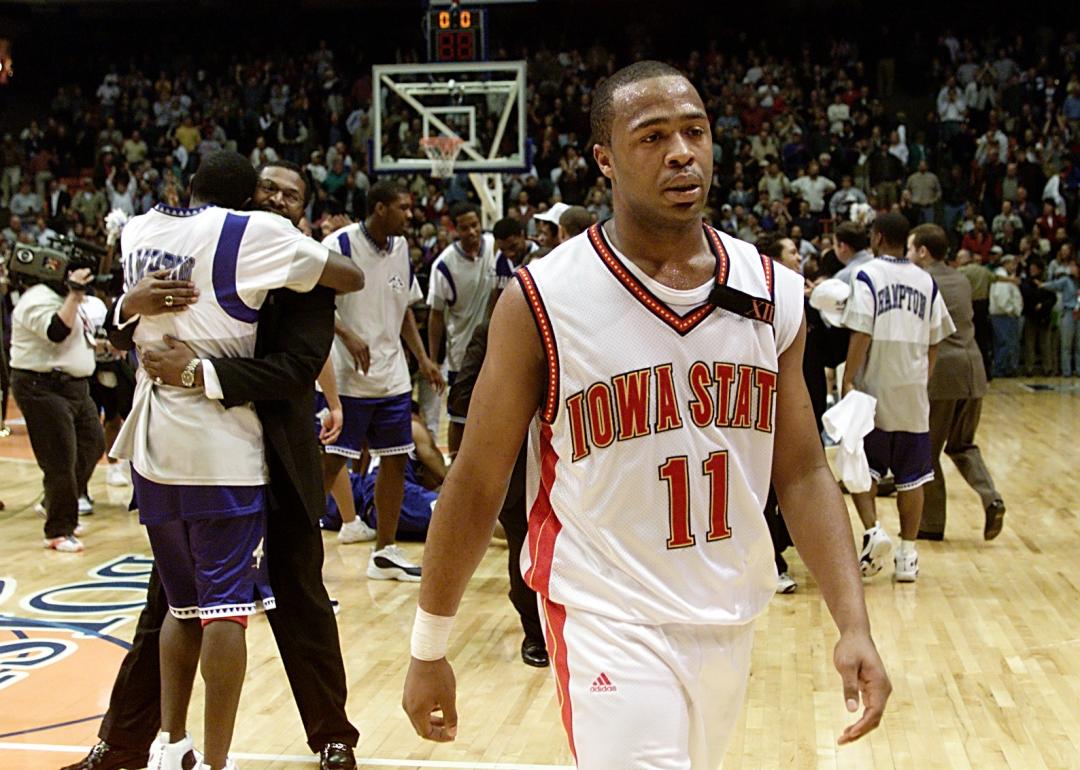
(56, 374)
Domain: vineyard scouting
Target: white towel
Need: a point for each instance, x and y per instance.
(847, 423)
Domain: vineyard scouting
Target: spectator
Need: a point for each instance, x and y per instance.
(842, 200)
(26, 202)
(1066, 286)
(1038, 311)
(978, 240)
(925, 192)
(1006, 308)
(813, 188)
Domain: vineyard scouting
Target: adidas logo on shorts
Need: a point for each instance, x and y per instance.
(602, 684)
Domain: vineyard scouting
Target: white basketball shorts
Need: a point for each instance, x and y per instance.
(638, 697)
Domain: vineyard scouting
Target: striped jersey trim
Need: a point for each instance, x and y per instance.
(550, 407)
(682, 324)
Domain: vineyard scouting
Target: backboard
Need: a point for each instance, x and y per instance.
(483, 103)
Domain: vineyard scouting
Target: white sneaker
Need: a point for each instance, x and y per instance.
(116, 475)
(173, 756)
(786, 584)
(876, 547)
(86, 505)
(389, 563)
(80, 528)
(64, 544)
(355, 531)
(39, 509)
(229, 765)
(907, 566)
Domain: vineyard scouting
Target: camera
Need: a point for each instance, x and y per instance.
(28, 264)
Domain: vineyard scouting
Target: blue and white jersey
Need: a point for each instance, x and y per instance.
(177, 435)
(375, 314)
(460, 288)
(898, 304)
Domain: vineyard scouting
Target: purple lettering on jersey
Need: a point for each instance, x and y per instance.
(141, 262)
(228, 250)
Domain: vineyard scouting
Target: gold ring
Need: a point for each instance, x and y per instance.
(169, 300)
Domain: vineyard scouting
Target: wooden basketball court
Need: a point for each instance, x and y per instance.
(984, 651)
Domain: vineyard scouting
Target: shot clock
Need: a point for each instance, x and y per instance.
(457, 34)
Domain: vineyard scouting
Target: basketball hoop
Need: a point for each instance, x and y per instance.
(442, 151)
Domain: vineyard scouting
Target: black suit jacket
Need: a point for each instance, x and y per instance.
(293, 340)
(291, 345)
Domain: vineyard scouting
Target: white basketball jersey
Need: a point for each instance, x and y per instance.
(898, 304)
(461, 287)
(375, 314)
(652, 454)
(177, 435)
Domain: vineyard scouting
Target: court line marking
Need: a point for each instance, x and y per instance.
(313, 760)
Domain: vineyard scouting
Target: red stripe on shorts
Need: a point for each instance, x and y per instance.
(554, 624)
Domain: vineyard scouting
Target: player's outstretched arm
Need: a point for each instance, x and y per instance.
(507, 395)
(815, 514)
(341, 274)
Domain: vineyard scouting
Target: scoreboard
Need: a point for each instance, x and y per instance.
(457, 34)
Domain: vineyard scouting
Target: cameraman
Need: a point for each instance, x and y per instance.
(52, 359)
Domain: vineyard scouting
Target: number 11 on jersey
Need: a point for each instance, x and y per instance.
(676, 472)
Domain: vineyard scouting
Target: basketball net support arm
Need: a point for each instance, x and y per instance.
(488, 185)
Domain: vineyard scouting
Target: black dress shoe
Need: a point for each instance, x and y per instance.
(533, 653)
(995, 519)
(924, 535)
(337, 756)
(106, 757)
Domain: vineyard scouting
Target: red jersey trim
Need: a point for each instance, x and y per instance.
(681, 324)
(550, 407)
(544, 524)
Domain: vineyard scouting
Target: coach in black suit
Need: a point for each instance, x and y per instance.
(293, 340)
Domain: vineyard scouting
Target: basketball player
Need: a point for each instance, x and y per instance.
(651, 412)
(199, 469)
(462, 279)
(897, 318)
(293, 339)
(376, 402)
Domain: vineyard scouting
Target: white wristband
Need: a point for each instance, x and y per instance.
(430, 635)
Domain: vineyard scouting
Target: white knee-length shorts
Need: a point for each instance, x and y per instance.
(637, 697)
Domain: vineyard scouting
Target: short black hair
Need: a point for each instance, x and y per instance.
(769, 244)
(506, 228)
(462, 208)
(296, 168)
(575, 220)
(933, 238)
(385, 192)
(851, 234)
(602, 112)
(893, 228)
(224, 178)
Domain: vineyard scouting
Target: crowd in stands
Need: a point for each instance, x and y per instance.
(990, 148)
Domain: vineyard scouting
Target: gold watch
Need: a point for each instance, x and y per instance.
(187, 377)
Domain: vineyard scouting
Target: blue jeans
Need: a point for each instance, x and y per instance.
(1070, 343)
(1006, 345)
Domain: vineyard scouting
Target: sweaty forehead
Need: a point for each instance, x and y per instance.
(284, 178)
(668, 96)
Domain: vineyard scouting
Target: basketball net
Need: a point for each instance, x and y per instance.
(442, 151)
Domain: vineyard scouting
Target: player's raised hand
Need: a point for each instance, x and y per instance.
(863, 674)
(430, 699)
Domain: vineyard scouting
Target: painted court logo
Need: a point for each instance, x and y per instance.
(602, 684)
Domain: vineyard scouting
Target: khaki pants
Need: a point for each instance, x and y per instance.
(953, 423)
